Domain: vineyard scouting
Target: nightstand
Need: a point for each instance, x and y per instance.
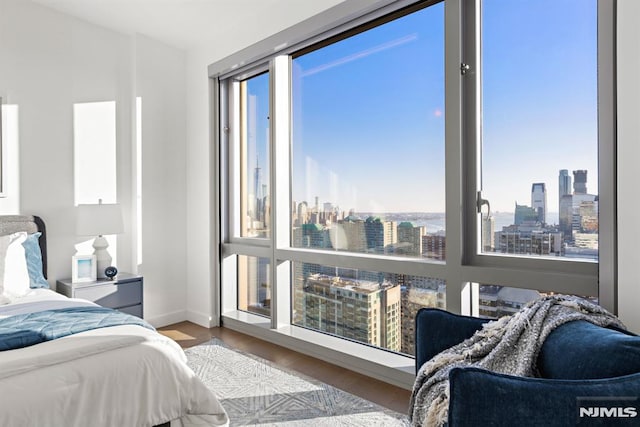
(123, 293)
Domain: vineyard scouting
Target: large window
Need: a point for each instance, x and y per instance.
(254, 288)
(540, 128)
(370, 307)
(366, 177)
(254, 154)
(401, 159)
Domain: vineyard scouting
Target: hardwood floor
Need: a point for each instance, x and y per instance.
(189, 334)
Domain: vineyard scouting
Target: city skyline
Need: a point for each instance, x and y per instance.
(348, 146)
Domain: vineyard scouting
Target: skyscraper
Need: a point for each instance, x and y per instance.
(257, 187)
(566, 216)
(524, 213)
(580, 182)
(564, 183)
(409, 239)
(488, 233)
(361, 310)
(379, 234)
(539, 201)
(564, 203)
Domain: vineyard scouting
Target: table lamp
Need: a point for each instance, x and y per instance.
(98, 220)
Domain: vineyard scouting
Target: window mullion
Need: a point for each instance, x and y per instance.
(225, 190)
(471, 135)
(280, 89)
(454, 153)
(231, 133)
(607, 188)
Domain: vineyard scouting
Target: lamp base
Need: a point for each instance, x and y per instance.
(103, 258)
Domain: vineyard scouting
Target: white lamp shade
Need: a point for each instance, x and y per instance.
(97, 220)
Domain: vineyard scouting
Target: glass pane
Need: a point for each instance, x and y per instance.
(368, 140)
(371, 307)
(495, 301)
(254, 285)
(254, 157)
(540, 128)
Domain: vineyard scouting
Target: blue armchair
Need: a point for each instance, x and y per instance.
(589, 376)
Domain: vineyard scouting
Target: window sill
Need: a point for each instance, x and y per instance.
(382, 365)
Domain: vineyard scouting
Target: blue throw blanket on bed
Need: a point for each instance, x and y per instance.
(23, 330)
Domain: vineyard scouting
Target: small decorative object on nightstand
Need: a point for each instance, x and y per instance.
(123, 293)
(110, 272)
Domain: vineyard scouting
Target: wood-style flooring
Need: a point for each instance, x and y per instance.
(188, 334)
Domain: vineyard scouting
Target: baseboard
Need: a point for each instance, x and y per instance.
(167, 319)
(202, 319)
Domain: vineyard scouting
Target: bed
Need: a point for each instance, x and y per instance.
(122, 374)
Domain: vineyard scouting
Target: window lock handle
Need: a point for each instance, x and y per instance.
(480, 202)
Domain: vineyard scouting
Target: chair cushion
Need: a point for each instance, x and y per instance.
(482, 398)
(581, 350)
(438, 330)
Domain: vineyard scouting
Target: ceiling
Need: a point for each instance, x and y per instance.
(187, 24)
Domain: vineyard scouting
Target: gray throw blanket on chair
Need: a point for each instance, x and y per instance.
(509, 345)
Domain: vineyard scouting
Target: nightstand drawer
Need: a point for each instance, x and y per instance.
(134, 310)
(113, 296)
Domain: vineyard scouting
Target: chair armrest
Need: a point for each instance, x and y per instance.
(482, 398)
(437, 330)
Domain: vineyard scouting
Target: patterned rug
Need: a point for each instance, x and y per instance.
(256, 392)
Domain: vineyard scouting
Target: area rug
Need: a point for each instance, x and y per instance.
(256, 392)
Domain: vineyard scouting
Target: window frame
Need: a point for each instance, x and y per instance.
(582, 277)
(464, 266)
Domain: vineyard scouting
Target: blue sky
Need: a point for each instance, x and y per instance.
(368, 130)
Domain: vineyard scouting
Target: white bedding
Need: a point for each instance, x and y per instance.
(117, 376)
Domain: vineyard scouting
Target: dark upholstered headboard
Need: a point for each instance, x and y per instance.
(31, 224)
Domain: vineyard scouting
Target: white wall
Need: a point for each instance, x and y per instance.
(160, 82)
(628, 161)
(48, 62)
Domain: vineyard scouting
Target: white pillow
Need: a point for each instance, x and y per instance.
(4, 244)
(15, 280)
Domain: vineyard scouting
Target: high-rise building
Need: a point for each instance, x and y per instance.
(529, 240)
(488, 233)
(564, 183)
(496, 301)
(584, 205)
(580, 181)
(349, 235)
(417, 292)
(257, 187)
(434, 246)
(524, 213)
(380, 235)
(310, 236)
(539, 201)
(409, 239)
(565, 203)
(566, 216)
(303, 213)
(361, 310)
